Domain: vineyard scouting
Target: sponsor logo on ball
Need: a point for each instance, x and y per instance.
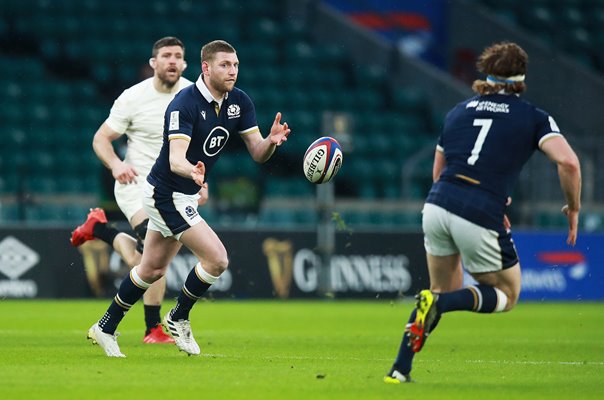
(314, 163)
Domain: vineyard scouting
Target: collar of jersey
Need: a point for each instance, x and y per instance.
(205, 92)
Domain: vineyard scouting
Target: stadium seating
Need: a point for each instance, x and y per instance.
(573, 26)
(62, 86)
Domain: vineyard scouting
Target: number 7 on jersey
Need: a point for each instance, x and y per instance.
(485, 125)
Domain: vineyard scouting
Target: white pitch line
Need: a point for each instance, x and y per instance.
(514, 362)
(529, 362)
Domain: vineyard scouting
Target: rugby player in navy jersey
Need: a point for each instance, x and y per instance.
(485, 142)
(137, 113)
(198, 124)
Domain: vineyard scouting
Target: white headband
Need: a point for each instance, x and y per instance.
(492, 80)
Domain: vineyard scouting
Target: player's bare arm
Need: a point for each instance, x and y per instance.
(121, 171)
(569, 171)
(439, 164)
(181, 166)
(261, 149)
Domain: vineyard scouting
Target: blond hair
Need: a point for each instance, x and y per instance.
(209, 50)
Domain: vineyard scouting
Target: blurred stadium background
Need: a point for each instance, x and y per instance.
(377, 75)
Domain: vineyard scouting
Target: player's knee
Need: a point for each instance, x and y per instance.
(222, 264)
(151, 273)
(218, 264)
(157, 274)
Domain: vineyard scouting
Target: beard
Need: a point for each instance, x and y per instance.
(221, 85)
(168, 81)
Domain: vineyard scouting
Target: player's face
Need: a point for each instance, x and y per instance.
(223, 70)
(169, 64)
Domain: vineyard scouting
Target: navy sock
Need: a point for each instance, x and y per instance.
(105, 232)
(152, 318)
(479, 298)
(128, 294)
(404, 359)
(192, 290)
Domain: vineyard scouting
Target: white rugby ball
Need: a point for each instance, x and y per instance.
(322, 160)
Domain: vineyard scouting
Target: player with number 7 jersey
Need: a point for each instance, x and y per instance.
(486, 141)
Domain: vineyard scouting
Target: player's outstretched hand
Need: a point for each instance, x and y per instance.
(124, 173)
(198, 173)
(279, 131)
(573, 224)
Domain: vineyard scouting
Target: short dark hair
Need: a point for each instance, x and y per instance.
(209, 50)
(165, 42)
(501, 60)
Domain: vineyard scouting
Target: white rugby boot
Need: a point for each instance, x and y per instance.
(107, 342)
(181, 333)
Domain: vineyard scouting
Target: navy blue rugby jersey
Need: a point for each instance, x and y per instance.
(486, 141)
(193, 115)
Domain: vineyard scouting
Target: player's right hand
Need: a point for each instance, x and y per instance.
(124, 173)
(573, 224)
(198, 174)
(279, 131)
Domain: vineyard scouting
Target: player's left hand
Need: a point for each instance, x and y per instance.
(203, 194)
(279, 131)
(198, 173)
(573, 224)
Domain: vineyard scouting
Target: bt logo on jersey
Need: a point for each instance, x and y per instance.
(215, 141)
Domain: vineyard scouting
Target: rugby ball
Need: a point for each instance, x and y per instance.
(322, 160)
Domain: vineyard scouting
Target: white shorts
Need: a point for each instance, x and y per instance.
(129, 197)
(481, 249)
(170, 214)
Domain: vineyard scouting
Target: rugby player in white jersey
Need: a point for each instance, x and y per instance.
(137, 113)
(198, 125)
(485, 142)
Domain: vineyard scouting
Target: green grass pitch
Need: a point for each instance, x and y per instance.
(304, 350)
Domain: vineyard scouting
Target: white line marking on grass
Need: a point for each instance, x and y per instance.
(514, 362)
(537, 362)
(280, 357)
